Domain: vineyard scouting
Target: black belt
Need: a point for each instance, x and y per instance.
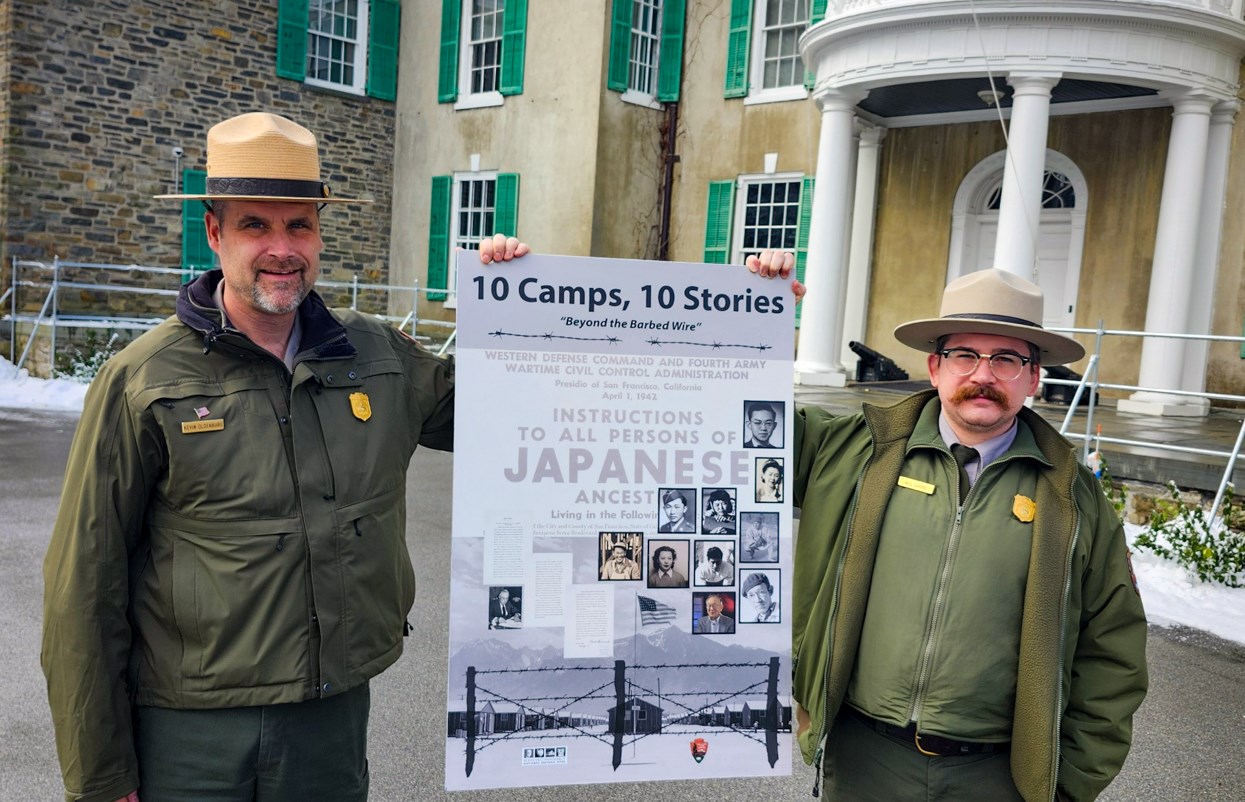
(926, 744)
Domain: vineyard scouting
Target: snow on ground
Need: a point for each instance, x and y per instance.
(1174, 596)
(20, 391)
(1171, 594)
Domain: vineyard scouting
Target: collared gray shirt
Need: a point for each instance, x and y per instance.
(296, 334)
(987, 452)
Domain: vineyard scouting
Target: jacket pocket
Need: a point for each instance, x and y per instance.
(237, 601)
(226, 451)
(380, 588)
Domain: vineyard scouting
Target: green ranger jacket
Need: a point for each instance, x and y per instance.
(1082, 616)
(230, 533)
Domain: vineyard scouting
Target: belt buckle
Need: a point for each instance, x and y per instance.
(916, 740)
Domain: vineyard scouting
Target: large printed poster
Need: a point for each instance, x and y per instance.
(621, 561)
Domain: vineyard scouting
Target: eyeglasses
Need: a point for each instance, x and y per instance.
(1005, 365)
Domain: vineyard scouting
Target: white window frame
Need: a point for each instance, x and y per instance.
(466, 98)
(359, 42)
(467, 242)
(739, 213)
(634, 94)
(756, 61)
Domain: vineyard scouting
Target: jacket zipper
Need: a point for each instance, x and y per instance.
(918, 698)
(820, 754)
(1063, 628)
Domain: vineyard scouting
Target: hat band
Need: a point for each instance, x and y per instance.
(267, 187)
(996, 318)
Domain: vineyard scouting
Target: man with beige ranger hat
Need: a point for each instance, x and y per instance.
(965, 625)
(229, 568)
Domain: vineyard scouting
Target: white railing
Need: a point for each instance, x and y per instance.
(1089, 382)
(45, 284)
(836, 8)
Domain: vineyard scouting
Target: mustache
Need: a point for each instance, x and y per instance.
(288, 263)
(971, 391)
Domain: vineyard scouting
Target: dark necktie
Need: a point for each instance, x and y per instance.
(963, 455)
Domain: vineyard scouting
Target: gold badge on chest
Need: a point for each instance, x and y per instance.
(360, 405)
(1024, 509)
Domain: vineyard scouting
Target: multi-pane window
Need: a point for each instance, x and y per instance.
(645, 44)
(337, 42)
(484, 32)
(770, 217)
(1057, 193)
(783, 23)
(475, 203)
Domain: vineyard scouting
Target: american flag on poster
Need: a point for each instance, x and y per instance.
(654, 612)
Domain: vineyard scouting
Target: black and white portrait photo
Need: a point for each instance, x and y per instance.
(763, 424)
(621, 553)
(759, 592)
(758, 537)
(718, 515)
(769, 480)
(505, 607)
(667, 563)
(715, 563)
(677, 510)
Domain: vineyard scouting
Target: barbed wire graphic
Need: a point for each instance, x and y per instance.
(551, 336)
(714, 345)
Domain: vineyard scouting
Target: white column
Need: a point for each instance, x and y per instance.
(1175, 247)
(1021, 207)
(821, 320)
(1210, 230)
(860, 257)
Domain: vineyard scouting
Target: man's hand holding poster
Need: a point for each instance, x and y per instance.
(622, 530)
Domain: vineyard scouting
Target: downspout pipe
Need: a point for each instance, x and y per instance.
(669, 159)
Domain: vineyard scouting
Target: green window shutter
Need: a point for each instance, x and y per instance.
(382, 50)
(197, 255)
(620, 46)
(513, 47)
(737, 49)
(718, 222)
(670, 68)
(816, 15)
(801, 237)
(439, 235)
(506, 210)
(292, 39)
(447, 71)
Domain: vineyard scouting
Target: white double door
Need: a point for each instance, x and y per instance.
(1054, 246)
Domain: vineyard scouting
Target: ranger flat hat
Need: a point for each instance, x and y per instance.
(992, 302)
(263, 157)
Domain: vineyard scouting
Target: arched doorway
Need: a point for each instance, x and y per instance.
(1060, 237)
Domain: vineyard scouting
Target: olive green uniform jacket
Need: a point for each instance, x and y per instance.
(1082, 670)
(230, 533)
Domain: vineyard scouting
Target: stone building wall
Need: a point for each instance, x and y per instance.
(100, 92)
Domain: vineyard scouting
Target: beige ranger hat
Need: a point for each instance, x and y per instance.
(263, 157)
(992, 302)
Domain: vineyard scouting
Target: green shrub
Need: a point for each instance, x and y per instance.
(1116, 494)
(81, 363)
(1183, 532)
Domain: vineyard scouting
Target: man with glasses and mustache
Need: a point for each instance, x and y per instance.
(966, 625)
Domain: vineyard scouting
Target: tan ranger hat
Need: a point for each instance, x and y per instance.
(263, 157)
(992, 302)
